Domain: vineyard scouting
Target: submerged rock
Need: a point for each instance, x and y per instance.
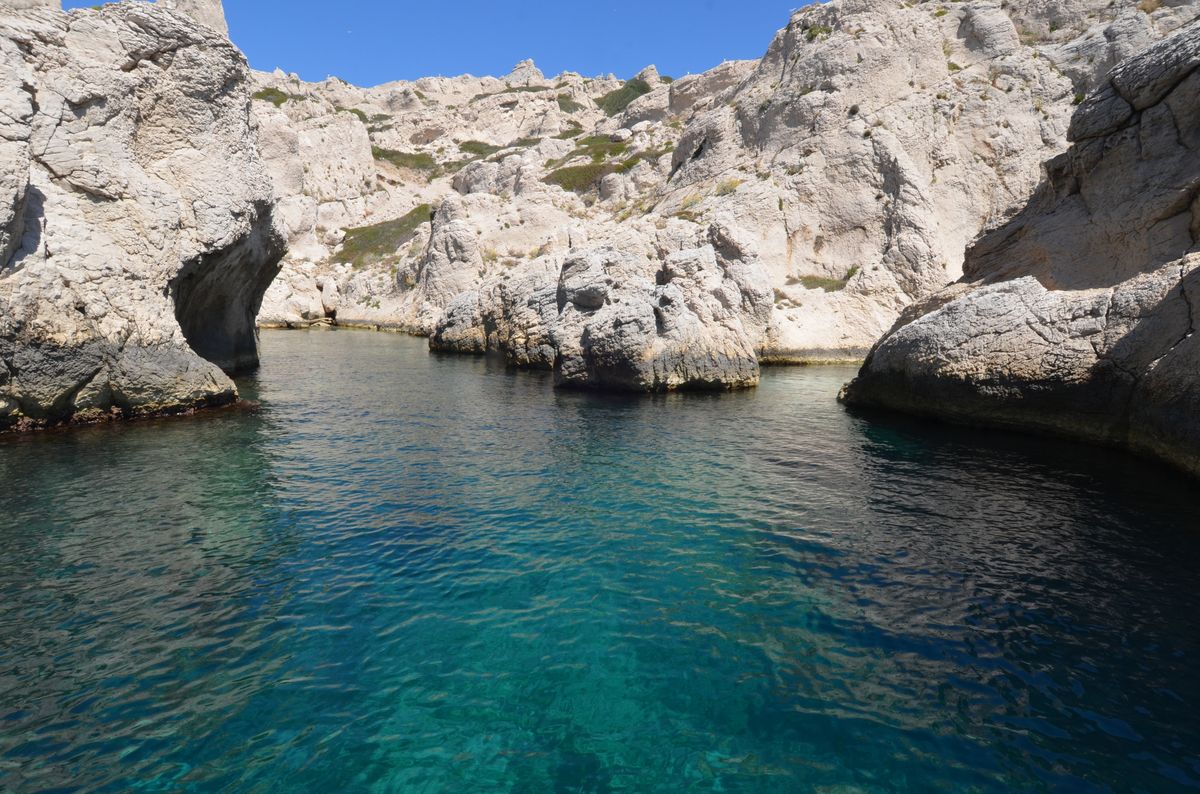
(136, 234)
(1078, 316)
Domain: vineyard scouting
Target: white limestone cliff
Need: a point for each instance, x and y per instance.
(136, 234)
(1078, 316)
(853, 164)
(206, 12)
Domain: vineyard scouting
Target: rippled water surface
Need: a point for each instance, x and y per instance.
(420, 574)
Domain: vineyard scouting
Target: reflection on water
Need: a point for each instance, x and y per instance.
(417, 573)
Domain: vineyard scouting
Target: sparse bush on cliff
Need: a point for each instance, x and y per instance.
(415, 161)
(823, 282)
(579, 178)
(728, 186)
(369, 245)
(573, 130)
(356, 113)
(478, 148)
(615, 102)
(275, 97)
(568, 105)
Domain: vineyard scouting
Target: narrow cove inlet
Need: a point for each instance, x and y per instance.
(414, 572)
(781, 396)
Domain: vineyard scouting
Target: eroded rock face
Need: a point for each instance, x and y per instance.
(893, 133)
(611, 322)
(135, 216)
(856, 160)
(1078, 316)
(695, 326)
(206, 12)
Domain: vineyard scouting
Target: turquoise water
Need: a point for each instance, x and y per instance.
(425, 574)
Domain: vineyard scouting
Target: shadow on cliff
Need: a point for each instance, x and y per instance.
(1153, 365)
(1065, 242)
(30, 216)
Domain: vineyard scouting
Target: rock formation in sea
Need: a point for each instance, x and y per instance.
(1078, 316)
(852, 165)
(136, 231)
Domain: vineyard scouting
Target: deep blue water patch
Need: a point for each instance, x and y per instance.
(424, 574)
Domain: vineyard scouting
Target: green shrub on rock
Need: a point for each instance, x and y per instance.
(615, 102)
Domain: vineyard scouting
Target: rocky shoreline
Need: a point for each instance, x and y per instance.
(850, 166)
(141, 414)
(1077, 317)
(160, 202)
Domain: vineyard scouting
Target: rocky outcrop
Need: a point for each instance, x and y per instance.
(855, 161)
(610, 323)
(136, 229)
(695, 326)
(1078, 317)
(889, 135)
(324, 177)
(206, 12)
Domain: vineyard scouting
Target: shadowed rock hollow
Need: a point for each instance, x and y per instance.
(1078, 317)
(136, 229)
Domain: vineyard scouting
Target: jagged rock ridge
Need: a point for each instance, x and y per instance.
(206, 12)
(852, 164)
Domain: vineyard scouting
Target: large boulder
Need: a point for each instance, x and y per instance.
(1078, 316)
(618, 321)
(136, 233)
(514, 315)
(693, 324)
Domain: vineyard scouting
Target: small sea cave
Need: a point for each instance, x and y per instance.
(218, 295)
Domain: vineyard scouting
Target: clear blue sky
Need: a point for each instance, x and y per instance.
(373, 41)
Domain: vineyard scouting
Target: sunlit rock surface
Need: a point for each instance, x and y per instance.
(136, 234)
(1078, 316)
(853, 163)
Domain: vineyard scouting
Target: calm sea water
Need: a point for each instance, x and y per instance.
(412, 573)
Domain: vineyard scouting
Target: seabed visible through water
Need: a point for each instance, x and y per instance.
(421, 573)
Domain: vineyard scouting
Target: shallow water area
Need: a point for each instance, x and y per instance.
(421, 573)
